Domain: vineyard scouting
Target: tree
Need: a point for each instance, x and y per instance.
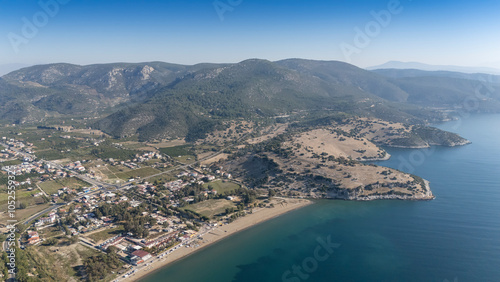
(271, 194)
(98, 213)
(152, 221)
(21, 227)
(98, 266)
(112, 249)
(74, 239)
(249, 197)
(50, 242)
(4, 260)
(66, 230)
(229, 210)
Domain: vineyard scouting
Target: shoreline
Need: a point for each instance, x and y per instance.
(218, 234)
(386, 158)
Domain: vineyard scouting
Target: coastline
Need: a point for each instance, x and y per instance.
(219, 233)
(386, 158)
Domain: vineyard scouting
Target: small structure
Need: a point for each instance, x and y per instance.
(33, 237)
(140, 256)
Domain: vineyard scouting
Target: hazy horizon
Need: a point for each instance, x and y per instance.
(8, 68)
(363, 33)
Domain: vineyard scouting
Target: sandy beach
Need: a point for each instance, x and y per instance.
(216, 234)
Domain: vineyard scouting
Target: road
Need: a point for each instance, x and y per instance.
(34, 216)
(105, 186)
(203, 230)
(198, 161)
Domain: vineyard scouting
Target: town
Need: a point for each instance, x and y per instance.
(93, 207)
(134, 210)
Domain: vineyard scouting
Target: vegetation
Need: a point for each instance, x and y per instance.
(137, 173)
(293, 96)
(106, 234)
(9, 163)
(211, 208)
(106, 151)
(99, 266)
(222, 186)
(177, 151)
(179, 103)
(51, 187)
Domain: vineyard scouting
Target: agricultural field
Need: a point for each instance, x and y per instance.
(120, 173)
(23, 197)
(9, 163)
(221, 186)
(183, 150)
(211, 208)
(186, 159)
(50, 155)
(137, 173)
(107, 151)
(22, 193)
(165, 144)
(51, 187)
(166, 177)
(103, 235)
(107, 173)
(134, 145)
(22, 214)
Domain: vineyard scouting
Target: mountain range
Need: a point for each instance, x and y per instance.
(427, 67)
(161, 100)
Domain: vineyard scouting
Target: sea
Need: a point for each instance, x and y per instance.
(455, 237)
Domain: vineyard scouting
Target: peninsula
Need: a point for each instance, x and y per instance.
(172, 158)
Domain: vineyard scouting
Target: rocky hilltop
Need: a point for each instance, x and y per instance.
(329, 161)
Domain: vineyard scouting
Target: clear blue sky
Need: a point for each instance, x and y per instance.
(188, 32)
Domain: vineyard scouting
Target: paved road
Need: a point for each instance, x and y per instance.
(103, 186)
(34, 216)
(106, 186)
(198, 161)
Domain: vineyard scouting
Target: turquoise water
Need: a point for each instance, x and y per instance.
(455, 237)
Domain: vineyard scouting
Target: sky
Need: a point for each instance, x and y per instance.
(360, 32)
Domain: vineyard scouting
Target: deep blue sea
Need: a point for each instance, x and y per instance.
(455, 237)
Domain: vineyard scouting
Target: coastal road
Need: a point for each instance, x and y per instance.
(106, 186)
(34, 216)
(144, 266)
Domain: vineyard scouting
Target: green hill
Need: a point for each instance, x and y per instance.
(252, 89)
(158, 100)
